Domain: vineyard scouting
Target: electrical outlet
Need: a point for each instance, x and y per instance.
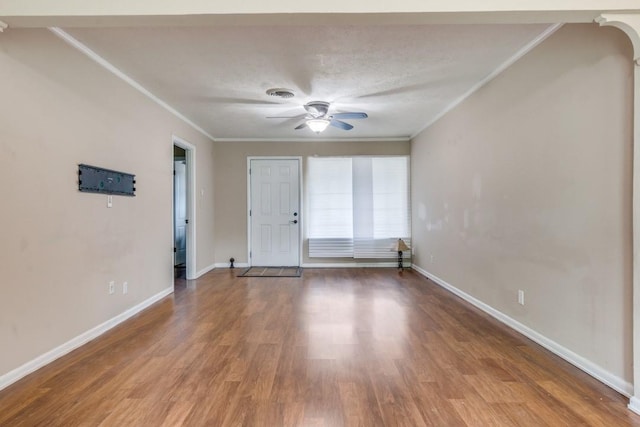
(109, 201)
(125, 287)
(521, 297)
(112, 287)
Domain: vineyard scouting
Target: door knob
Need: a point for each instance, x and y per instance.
(295, 221)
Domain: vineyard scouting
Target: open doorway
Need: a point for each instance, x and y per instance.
(180, 220)
(183, 210)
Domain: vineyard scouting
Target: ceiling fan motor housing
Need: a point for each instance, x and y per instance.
(317, 118)
(317, 108)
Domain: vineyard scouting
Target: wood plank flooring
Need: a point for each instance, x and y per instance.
(336, 347)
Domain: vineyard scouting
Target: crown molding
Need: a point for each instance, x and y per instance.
(395, 139)
(495, 73)
(124, 77)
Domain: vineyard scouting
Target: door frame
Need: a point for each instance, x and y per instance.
(190, 157)
(300, 202)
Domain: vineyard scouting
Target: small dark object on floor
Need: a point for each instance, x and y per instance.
(231, 260)
(272, 272)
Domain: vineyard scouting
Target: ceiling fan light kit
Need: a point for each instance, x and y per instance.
(318, 125)
(318, 118)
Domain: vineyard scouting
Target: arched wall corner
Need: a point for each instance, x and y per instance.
(630, 24)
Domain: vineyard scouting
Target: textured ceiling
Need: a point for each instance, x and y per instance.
(403, 77)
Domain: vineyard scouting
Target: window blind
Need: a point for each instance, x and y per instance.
(358, 206)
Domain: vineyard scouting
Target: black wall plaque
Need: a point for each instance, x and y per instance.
(92, 179)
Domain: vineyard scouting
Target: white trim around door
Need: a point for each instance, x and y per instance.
(190, 150)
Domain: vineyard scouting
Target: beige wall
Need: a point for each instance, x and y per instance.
(527, 185)
(60, 247)
(231, 185)
(205, 200)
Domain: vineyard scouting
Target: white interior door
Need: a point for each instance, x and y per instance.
(180, 211)
(275, 212)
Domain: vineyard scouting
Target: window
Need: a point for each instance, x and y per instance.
(357, 206)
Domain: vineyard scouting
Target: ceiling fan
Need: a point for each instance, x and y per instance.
(318, 118)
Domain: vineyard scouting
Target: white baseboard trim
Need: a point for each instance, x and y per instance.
(321, 265)
(235, 264)
(353, 264)
(203, 271)
(634, 404)
(602, 375)
(48, 357)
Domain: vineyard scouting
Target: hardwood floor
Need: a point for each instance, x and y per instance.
(356, 347)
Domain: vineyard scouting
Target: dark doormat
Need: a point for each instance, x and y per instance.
(271, 272)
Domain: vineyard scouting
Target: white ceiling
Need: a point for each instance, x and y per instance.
(403, 77)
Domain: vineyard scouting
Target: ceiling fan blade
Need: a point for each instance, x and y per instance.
(301, 126)
(352, 115)
(235, 101)
(299, 116)
(340, 124)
